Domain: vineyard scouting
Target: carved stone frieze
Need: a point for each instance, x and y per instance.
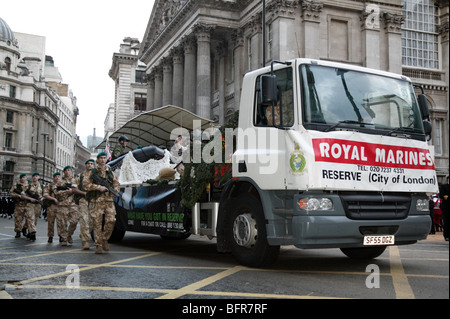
(284, 8)
(393, 22)
(311, 10)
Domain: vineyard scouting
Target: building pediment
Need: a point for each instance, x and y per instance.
(167, 14)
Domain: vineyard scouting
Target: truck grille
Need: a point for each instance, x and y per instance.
(376, 206)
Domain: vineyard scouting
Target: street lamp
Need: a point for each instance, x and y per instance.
(45, 135)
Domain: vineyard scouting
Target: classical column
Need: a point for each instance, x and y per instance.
(284, 42)
(178, 77)
(203, 33)
(150, 91)
(190, 74)
(158, 87)
(238, 40)
(255, 43)
(311, 26)
(370, 31)
(393, 28)
(167, 81)
(222, 50)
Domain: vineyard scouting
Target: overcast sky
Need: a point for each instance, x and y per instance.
(82, 37)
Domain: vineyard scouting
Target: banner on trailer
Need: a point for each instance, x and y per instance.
(354, 161)
(150, 209)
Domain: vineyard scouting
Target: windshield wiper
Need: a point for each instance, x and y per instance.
(406, 129)
(362, 124)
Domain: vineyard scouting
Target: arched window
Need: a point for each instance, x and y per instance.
(8, 63)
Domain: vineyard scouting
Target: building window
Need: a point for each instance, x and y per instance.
(8, 64)
(9, 117)
(12, 91)
(438, 137)
(420, 34)
(8, 140)
(140, 102)
(140, 77)
(9, 166)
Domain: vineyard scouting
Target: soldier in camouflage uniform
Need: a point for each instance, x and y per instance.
(52, 206)
(17, 192)
(67, 216)
(35, 191)
(83, 205)
(101, 201)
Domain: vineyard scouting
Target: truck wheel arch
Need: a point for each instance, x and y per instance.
(231, 190)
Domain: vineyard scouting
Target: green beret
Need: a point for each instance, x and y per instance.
(101, 154)
(56, 174)
(67, 167)
(22, 175)
(89, 160)
(36, 174)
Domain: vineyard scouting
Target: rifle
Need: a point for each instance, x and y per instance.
(100, 181)
(66, 187)
(34, 196)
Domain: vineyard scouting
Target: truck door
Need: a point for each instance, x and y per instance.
(271, 122)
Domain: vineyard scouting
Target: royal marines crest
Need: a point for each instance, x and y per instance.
(297, 161)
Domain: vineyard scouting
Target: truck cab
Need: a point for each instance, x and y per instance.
(328, 155)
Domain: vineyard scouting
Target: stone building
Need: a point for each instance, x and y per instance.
(37, 112)
(130, 96)
(197, 51)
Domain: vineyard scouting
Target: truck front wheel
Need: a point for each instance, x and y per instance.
(247, 233)
(364, 252)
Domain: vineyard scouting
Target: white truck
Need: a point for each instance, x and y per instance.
(328, 155)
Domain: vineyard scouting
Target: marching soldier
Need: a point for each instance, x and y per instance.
(101, 201)
(52, 205)
(34, 191)
(17, 192)
(83, 205)
(67, 216)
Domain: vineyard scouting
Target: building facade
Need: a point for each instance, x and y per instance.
(197, 52)
(37, 112)
(130, 96)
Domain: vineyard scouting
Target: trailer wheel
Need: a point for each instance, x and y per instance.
(363, 252)
(246, 232)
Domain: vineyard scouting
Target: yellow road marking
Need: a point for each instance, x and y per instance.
(202, 283)
(399, 278)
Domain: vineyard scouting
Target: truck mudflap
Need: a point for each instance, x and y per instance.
(152, 209)
(340, 232)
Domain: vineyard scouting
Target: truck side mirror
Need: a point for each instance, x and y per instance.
(268, 90)
(423, 105)
(427, 127)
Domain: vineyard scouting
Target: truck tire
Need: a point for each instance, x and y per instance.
(363, 252)
(246, 231)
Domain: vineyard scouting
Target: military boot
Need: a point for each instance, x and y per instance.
(98, 250)
(32, 237)
(105, 245)
(85, 245)
(17, 234)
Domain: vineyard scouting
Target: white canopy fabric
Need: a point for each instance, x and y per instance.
(156, 126)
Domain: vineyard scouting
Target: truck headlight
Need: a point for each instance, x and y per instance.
(422, 205)
(313, 203)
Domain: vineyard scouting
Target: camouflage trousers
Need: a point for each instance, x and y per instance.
(66, 221)
(85, 220)
(19, 215)
(52, 210)
(36, 210)
(97, 210)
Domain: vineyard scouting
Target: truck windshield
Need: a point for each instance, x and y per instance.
(333, 97)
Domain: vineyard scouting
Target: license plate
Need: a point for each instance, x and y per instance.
(379, 240)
